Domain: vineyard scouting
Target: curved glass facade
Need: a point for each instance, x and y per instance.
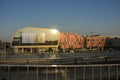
(36, 37)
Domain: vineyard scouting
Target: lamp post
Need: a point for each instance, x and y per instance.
(91, 40)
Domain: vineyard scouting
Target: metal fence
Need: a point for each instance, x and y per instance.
(60, 72)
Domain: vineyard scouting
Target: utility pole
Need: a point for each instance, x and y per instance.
(98, 45)
(5, 53)
(4, 50)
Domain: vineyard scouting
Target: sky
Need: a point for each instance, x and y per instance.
(80, 16)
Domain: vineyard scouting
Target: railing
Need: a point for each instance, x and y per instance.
(60, 72)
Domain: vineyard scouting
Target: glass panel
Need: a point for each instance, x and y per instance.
(41, 73)
(79, 73)
(61, 74)
(70, 73)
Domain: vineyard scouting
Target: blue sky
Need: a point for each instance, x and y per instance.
(81, 16)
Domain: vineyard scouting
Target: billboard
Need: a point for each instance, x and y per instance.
(33, 37)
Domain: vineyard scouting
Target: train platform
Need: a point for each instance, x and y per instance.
(62, 58)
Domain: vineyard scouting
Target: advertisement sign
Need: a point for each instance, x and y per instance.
(33, 37)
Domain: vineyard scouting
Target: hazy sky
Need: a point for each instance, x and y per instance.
(81, 16)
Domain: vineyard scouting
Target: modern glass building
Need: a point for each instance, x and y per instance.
(33, 40)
